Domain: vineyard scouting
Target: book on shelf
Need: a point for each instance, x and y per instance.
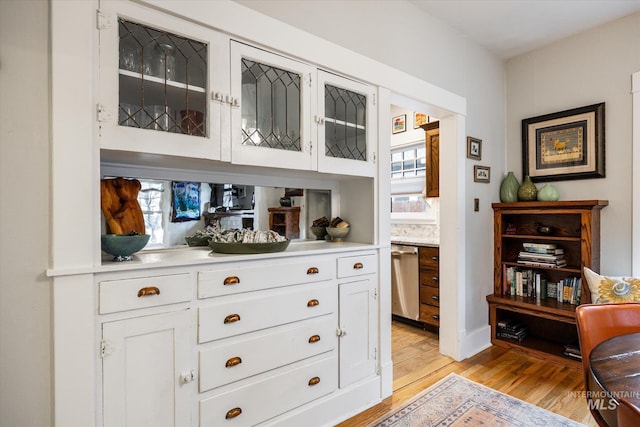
(530, 246)
(511, 330)
(543, 251)
(540, 257)
(544, 264)
(530, 283)
(572, 350)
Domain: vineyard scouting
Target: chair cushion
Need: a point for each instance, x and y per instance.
(612, 288)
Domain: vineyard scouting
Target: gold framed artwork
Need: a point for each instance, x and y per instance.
(565, 145)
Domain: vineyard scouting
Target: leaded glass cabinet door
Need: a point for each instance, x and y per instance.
(272, 125)
(161, 83)
(346, 126)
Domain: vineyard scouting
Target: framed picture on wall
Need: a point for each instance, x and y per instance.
(482, 174)
(185, 201)
(399, 123)
(474, 148)
(419, 119)
(564, 145)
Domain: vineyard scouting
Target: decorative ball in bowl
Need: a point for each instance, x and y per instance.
(319, 232)
(337, 233)
(123, 246)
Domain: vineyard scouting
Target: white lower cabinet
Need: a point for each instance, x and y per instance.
(147, 371)
(358, 319)
(257, 342)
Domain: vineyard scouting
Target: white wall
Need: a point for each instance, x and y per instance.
(585, 69)
(396, 33)
(25, 376)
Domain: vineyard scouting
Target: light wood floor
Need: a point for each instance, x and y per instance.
(417, 364)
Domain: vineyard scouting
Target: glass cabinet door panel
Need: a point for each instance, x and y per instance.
(272, 126)
(271, 106)
(346, 132)
(162, 80)
(163, 83)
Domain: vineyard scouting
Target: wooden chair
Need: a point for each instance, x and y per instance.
(597, 323)
(628, 414)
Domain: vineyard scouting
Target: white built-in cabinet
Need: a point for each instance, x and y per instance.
(358, 291)
(163, 83)
(170, 87)
(182, 337)
(240, 342)
(146, 371)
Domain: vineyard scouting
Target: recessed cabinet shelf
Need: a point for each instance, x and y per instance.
(160, 81)
(574, 226)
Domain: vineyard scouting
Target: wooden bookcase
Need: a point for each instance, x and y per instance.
(575, 227)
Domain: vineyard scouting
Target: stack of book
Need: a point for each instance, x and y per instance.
(541, 255)
(511, 330)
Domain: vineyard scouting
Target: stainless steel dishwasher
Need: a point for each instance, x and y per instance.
(405, 285)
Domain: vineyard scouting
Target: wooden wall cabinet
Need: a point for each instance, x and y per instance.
(432, 141)
(575, 227)
(429, 261)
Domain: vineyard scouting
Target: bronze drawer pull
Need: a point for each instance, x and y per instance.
(150, 290)
(435, 316)
(231, 280)
(314, 338)
(313, 303)
(435, 297)
(232, 413)
(358, 266)
(233, 362)
(434, 258)
(313, 270)
(314, 381)
(232, 318)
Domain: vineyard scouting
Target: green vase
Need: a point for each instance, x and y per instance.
(527, 191)
(509, 188)
(548, 193)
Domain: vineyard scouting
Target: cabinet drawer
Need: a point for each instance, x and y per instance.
(430, 314)
(430, 295)
(129, 294)
(272, 396)
(429, 277)
(244, 278)
(429, 257)
(357, 265)
(239, 314)
(235, 359)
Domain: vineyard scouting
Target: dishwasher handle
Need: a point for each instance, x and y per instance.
(399, 252)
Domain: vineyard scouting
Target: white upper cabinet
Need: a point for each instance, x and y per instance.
(163, 83)
(272, 127)
(346, 121)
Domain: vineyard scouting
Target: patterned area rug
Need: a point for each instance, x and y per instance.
(456, 401)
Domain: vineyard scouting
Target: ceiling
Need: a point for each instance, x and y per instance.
(511, 27)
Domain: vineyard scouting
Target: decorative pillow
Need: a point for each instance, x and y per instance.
(612, 289)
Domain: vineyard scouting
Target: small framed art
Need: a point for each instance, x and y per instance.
(399, 123)
(474, 148)
(482, 174)
(419, 119)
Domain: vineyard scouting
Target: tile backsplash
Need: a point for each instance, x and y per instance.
(429, 232)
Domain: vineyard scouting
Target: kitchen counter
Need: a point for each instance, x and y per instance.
(415, 241)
